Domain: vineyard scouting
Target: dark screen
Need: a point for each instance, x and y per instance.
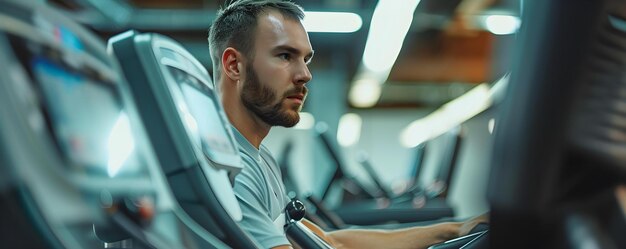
(87, 120)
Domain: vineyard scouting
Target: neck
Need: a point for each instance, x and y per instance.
(244, 120)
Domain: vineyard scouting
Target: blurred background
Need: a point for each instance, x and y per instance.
(410, 118)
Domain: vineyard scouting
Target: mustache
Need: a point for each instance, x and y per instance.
(297, 90)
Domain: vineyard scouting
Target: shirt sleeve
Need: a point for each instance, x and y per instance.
(249, 186)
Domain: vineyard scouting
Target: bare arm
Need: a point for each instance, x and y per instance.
(415, 237)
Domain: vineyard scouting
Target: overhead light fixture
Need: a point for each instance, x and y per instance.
(365, 93)
(469, 104)
(502, 24)
(449, 115)
(390, 23)
(331, 22)
(349, 130)
(454, 113)
(416, 133)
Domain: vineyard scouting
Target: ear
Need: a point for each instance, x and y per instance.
(232, 63)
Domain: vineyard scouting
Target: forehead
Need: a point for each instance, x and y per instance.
(274, 30)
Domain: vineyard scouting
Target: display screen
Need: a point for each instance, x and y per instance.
(87, 120)
(204, 119)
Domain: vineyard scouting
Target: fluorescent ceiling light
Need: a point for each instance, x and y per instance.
(417, 132)
(390, 23)
(455, 112)
(365, 93)
(469, 104)
(449, 115)
(502, 24)
(306, 121)
(349, 130)
(332, 22)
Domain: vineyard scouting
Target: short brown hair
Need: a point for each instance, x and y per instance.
(235, 26)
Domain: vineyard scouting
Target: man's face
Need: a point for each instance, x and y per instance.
(274, 82)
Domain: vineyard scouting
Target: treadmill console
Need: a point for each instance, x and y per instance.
(190, 133)
(201, 110)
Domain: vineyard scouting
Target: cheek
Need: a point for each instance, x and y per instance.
(272, 76)
(271, 82)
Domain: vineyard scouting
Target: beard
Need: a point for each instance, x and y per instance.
(264, 103)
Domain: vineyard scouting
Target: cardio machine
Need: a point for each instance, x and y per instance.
(559, 148)
(188, 129)
(77, 170)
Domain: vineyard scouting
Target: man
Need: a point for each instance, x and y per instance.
(260, 53)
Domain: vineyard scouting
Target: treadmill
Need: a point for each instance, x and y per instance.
(188, 128)
(76, 169)
(425, 202)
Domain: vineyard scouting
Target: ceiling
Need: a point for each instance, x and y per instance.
(444, 54)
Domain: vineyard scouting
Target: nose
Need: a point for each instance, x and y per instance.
(303, 75)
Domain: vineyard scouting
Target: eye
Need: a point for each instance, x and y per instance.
(285, 56)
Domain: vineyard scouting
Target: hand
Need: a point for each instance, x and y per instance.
(469, 224)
